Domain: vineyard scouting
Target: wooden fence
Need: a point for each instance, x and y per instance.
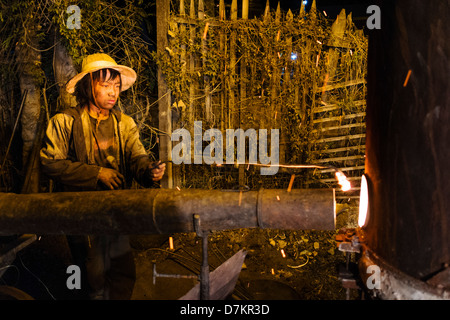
(299, 73)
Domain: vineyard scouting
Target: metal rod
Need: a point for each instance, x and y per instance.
(204, 273)
(165, 275)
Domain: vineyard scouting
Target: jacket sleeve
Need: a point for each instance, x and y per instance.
(56, 162)
(137, 157)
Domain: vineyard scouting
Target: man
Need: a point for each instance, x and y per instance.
(94, 147)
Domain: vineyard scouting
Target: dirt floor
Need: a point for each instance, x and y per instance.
(279, 264)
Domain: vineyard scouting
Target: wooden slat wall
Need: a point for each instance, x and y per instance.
(340, 129)
(243, 97)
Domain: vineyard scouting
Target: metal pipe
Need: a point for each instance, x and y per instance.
(165, 211)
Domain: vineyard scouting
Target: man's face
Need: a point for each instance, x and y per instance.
(107, 91)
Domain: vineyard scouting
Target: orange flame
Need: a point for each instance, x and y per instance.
(343, 182)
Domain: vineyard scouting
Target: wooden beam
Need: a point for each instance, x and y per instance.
(165, 112)
(340, 85)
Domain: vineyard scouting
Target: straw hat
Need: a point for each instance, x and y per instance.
(98, 61)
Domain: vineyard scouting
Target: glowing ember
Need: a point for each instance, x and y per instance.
(178, 188)
(343, 182)
(171, 243)
(205, 32)
(291, 183)
(282, 253)
(278, 198)
(407, 78)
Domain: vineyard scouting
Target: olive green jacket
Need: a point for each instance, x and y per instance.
(67, 155)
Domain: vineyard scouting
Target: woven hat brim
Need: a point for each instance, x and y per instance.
(127, 75)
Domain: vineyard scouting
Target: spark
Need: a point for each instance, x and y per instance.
(340, 176)
(282, 253)
(178, 188)
(407, 78)
(278, 198)
(171, 243)
(291, 183)
(205, 31)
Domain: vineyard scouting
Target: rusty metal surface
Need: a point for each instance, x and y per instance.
(153, 211)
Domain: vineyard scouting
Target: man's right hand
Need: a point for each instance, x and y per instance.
(111, 178)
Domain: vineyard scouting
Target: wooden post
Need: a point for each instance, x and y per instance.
(232, 66)
(206, 80)
(245, 9)
(289, 65)
(276, 73)
(63, 69)
(28, 62)
(223, 49)
(165, 112)
(243, 85)
(337, 35)
(243, 69)
(191, 110)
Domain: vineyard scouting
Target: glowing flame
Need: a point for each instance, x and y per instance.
(363, 202)
(343, 182)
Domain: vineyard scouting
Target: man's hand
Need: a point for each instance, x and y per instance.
(157, 170)
(110, 178)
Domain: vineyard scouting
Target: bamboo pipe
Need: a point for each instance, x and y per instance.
(164, 211)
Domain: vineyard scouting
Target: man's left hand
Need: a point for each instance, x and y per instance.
(157, 170)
